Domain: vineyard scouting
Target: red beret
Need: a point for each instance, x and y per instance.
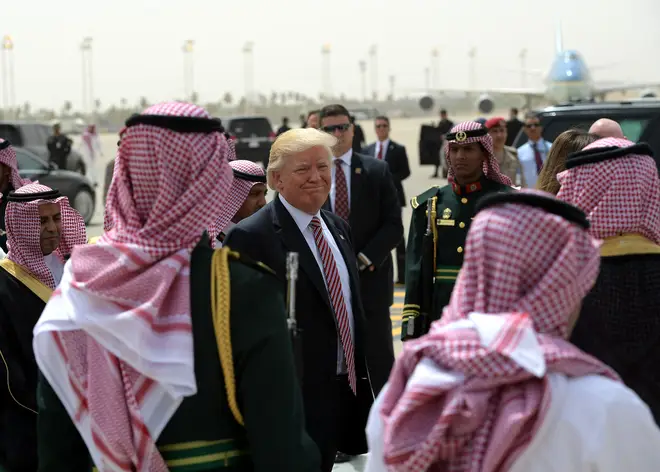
(491, 123)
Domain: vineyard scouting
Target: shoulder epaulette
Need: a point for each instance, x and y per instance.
(422, 197)
(512, 150)
(248, 261)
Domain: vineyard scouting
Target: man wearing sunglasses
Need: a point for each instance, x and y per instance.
(397, 159)
(362, 192)
(534, 152)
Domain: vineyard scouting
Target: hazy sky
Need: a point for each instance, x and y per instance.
(137, 43)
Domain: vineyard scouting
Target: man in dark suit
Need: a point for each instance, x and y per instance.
(363, 193)
(337, 393)
(513, 127)
(396, 157)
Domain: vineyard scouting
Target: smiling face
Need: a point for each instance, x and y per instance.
(304, 179)
(51, 227)
(467, 162)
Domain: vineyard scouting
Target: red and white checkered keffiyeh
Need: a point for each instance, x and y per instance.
(525, 272)
(491, 166)
(24, 233)
(619, 196)
(8, 158)
(240, 190)
(115, 340)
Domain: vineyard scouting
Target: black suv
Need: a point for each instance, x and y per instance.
(639, 120)
(34, 137)
(252, 135)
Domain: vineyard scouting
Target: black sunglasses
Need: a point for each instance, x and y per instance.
(382, 126)
(332, 128)
(533, 125)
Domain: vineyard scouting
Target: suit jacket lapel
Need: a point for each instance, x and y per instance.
(390, 152)
(357, 169)
(294, 241)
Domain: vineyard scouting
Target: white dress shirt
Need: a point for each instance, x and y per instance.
(346, 165)
(528, 160)
(593, 424)
(384, 145)
(303, 220)
(55, 266)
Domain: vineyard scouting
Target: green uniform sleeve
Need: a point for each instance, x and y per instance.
(266, 379)
(59, 444)
(414, 254)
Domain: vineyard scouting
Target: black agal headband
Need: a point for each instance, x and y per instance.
(550, 205)
(4, 145)
(600, 154)
(30, 197)
(178, 124)
(249, 177)
(460, 136)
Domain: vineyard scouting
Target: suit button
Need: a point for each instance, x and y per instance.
(461, 225)
(463, 200)
(459, 250)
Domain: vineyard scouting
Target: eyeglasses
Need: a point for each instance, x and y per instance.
(382, 126)
(533, 125)
(332, 128)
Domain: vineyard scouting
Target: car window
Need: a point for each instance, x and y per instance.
(10, 133)
(26, 161)
(44, 132)
(652, 137)
(246, 127)
(31, 136)
(553, 126)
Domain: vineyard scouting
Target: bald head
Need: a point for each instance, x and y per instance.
(606, 128)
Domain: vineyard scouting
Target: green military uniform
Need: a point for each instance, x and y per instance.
(452, 209)
(249, 421)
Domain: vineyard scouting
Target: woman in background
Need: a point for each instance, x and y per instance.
(569, 141)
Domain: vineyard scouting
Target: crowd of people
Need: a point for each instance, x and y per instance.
(209, 330)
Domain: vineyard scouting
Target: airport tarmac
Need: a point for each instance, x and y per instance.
(404, 131)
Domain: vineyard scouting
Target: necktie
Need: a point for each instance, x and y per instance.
(537, 158)
(341, 207)
(336, 298)
(380, 151)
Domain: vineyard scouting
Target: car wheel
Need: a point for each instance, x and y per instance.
(84, 204)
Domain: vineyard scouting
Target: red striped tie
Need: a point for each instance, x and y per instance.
(336, 298)
(341, 192)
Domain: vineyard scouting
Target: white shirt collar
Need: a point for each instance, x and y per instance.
(55, 266)
(346, 158)
(301, 218)
(385, 143)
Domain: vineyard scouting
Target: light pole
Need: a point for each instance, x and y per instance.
(8, 91)
(87, 76)
(427, 78)
(523, 64)
(188, 77)
(363, 78)
(326, 80)
(435, 68)
(472, 54)
(248, 75)
(373, 56)
(392, 82)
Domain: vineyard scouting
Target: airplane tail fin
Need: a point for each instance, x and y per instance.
(558, 39)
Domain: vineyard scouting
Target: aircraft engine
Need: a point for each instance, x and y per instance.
(648, 94)
(426, 103)
(485, 104)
